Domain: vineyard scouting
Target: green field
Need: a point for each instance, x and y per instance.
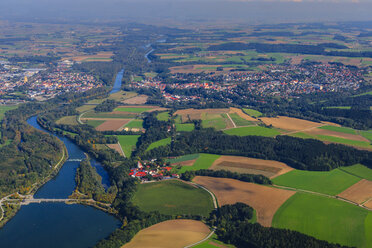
(163, 116)
(217, 121)
(339, 129)
(213, 242)
(366, 134)
(134, 124)
(183, 158)
(239, 121)
(68, 120)
(85, 108)
(173, 197)
(123, 115)
(256, 130)
(186, 127)
(359, 171)
(358, 143)
(252, 112)
(4, 108)
(128, 143)
(94, 123)
(132, 110)
(326, 182)
(326, 219)
(158, 143)
(204, 161)
(339, 107)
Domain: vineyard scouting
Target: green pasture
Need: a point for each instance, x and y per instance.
(326, 219)
(132, 110)
(239, 121)
(327, 182)
(163, 116)
(128, 143)
(339, 129)
(255, 130)
(94, 123)
(134, 124)
(358, 143)
(204, 161)
(4, 108)
(213, 242)
(108, 115)
(252, 112)
(162, 142)
(217, 121)
(186, 127)
(366, 134)
(183, 158)
(173, 197)
(359, 171)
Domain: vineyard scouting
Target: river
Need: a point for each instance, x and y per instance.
(152, 49)
(59, 225)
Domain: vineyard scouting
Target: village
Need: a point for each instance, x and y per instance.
(152, 170)
(277, 80)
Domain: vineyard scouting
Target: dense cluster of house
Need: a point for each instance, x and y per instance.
(148, 170)
(281, 80)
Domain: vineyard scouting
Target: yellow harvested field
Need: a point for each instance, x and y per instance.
(112, 125)
(359, 192)
(141, 99)
(196, 114)
(242, 114)
(317, 131)
(268, 168)
(265, 200)
(289, 123)
(170, 234)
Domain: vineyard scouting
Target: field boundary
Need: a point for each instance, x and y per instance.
(213, 196)
(234, 125)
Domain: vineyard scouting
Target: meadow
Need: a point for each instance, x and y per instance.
(163, 116)
(128, 143)
(3, 109)
(185, 127)
(325, 218)
(204, 161)
(132, 110)
(359, 171)
(183, 158)
(68, 120)
(158, 143)
(134, 124)
(339, 129)
(252, 112)
(173, 197)
(326, 182)
(94, 123)
(239, 121)
(255, 130)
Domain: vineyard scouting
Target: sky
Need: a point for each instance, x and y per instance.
(247, 11)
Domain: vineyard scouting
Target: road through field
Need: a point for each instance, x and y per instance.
(231, 120)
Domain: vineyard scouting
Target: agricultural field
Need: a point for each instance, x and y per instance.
(94, 123)
(115, 147)
(173, 197)
(252, 112)
(366, 134)
(359, 193)
(128, 143)
(185, 158)
(196, 114)
(170, 234)
(203, 161)
(158, 143)
(254, 130)
(339, 129)
(213, 242)
(135, 124)
(239, 121)
(359, 171)
(68, 120)
(216, 121)
(230, 191)
(4, 108)
(112, 125)
(326, 219)
(268, 168)
(289, 123)
(163, 116)
(327, 182)
(133, 109)
(107, 115)
(185, 127)
(141, 99)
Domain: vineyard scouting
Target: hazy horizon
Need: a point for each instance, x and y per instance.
(254, 12)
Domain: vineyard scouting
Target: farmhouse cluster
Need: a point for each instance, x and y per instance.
(150, 170)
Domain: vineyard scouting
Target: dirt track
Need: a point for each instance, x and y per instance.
(265, 200)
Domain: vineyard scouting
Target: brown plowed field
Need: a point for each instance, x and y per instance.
(317, 131)
(265, 200)
(116, 147)
(289, 123)
(141, 99)
(112, 125)
(242, 114)
(359, 192)
(170, 234)
(185, 163)
(196, 114)
(269, 168)
(368, 204)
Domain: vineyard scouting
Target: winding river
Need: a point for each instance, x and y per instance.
(59, 225)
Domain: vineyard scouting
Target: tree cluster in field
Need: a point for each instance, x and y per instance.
(233, 226)
(88, 182)
(303, 154)
(106, 106)
(251, 178)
